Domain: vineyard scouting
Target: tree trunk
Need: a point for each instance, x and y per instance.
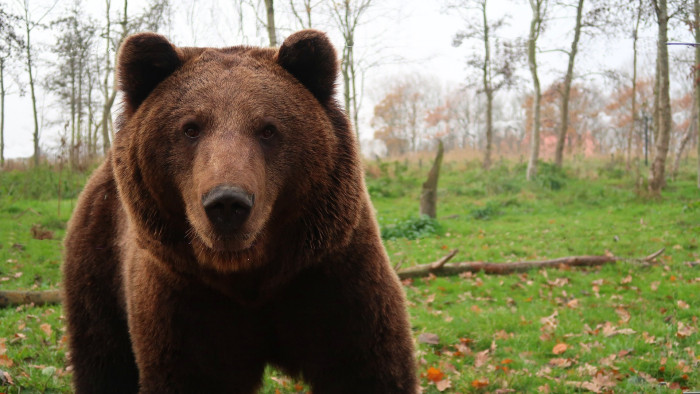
(488, 90)
(532, 63)
(20, 297)
(564, 126)
(71, 147)
(2, 112)
(696, 11)
(681, 147)
(428, 197)
(658, 167)
(635, 38)
(271, 31)
(35, 135)
(440, 268)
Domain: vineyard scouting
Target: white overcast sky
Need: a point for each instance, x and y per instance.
(412, 36)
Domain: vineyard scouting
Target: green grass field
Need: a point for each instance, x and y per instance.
(624, 327)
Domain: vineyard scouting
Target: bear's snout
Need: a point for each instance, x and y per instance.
(227, 207)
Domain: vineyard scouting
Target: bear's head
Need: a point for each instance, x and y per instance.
(240, 153)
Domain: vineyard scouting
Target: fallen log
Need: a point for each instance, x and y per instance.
(441, 268)
(21, 297)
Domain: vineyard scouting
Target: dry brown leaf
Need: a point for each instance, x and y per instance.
(627, 279)
(590, 386)
(434, 375)
(682, 304)
(502, 334)
(443, 385)
(46, 328)
(655, 285)
(558, 282)
(573, 304)
(587, 370)
(429, 338)
(5, 361)
(606, 380)
(623, 314)
(684, 330)
(481, 358)
(5, 378)
(559, 348)
(480, 383)
(561, 362)
(3, 348)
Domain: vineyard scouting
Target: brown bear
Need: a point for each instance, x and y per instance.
(228, 229)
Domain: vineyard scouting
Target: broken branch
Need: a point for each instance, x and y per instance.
(440, 268)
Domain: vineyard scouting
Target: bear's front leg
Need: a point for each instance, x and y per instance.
(347, 333)
(187, 338)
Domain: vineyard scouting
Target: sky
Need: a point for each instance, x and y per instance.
(410, 36)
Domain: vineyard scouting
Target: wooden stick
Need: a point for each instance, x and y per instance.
(438, 264)
(509, 268)
(20, 297)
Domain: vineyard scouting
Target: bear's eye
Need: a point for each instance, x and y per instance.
(192, 131)
(268, 132)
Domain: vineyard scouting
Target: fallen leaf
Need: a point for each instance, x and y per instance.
(561, 362)
(443, 385)
(429, 338)
(655, 285)
(6, 379)
(434, 375)
(684, 330)
(46, 328)
(481, 358)
(5, 361)
(573, 304)
(627, 279)
(480, 383)
(559, 348)
(623, 314)
(682, 304)
(3, 348)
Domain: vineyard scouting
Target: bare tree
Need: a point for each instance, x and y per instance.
(10, 47)
(696, 29)
(153, 18)
(538, 12)
(564, 113)
(302, 13)
(658, 168)
(347, 15)
(271, 31)
(73, 49)
(635, 39)
(428, 198)
(29, 26)
(496, 72)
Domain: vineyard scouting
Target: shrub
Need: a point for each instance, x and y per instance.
(411, 228)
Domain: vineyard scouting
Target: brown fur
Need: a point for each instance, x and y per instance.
(159, 301)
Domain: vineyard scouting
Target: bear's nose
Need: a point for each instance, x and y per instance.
(227, 207)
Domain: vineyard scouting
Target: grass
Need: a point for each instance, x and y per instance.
(623, 327)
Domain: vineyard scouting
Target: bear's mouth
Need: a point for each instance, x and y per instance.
(238, 242)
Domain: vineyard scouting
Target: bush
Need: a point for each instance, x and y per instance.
(412, 228)
(550, 176)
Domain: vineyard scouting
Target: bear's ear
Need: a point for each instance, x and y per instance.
(310, 57)
(144, 61)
